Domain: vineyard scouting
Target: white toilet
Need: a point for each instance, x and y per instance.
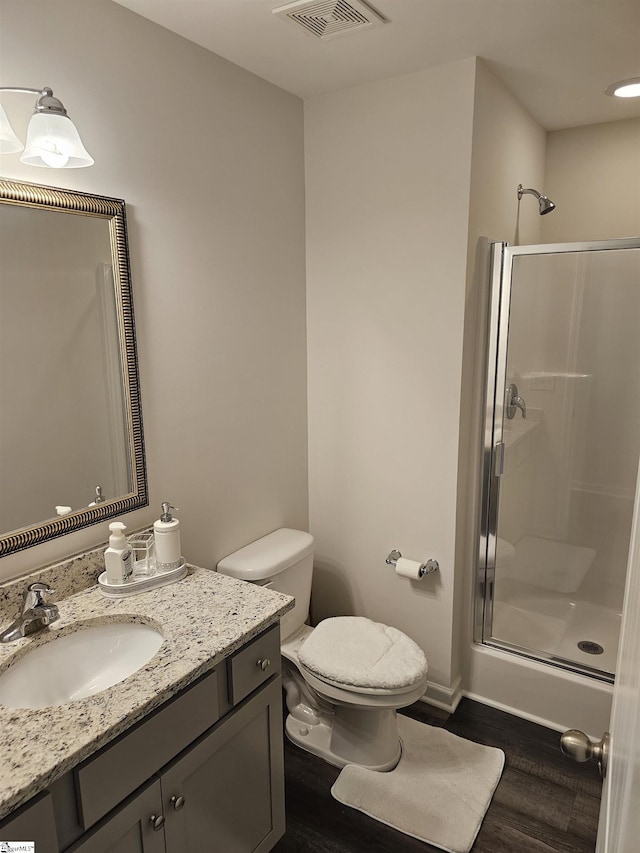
(343, 679)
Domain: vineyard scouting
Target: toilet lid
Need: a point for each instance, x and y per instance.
(356, 651)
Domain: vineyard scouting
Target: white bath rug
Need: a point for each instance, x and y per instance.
(438, 793)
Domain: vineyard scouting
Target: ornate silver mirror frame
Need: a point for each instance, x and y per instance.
(26, 195)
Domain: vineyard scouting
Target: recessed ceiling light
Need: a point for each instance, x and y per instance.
(625, 88)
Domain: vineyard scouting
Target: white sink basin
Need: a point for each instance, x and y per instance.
(78, 665)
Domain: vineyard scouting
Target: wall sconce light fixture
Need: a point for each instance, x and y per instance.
(52, 138)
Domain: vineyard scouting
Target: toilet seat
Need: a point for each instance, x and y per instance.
(355, 654)
(360, 691)
(344, 694)
(348, 694)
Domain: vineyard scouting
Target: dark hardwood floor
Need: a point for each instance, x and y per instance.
(543, 803)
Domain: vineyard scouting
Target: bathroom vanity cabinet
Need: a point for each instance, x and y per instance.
(204, 772)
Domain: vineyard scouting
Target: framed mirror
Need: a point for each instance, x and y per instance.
(71, 437)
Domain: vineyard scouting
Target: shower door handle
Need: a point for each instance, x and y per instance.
(577, 745)
(498, 459)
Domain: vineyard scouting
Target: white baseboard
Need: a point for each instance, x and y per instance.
(445, 698)
(515, 712)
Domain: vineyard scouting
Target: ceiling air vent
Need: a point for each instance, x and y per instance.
(326, 19)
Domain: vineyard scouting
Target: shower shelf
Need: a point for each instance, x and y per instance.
(516, 431)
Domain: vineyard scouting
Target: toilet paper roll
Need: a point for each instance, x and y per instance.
(408, 568)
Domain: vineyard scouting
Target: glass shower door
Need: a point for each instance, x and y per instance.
(565, 441)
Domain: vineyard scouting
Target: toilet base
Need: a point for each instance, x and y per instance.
(354, 736)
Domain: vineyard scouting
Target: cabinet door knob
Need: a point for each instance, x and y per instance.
(177, 802)
(263, 663)
(157, 821)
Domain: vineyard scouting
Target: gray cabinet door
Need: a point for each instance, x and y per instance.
(34, 822)
(226, 794)
(115, 772)
(129, 829)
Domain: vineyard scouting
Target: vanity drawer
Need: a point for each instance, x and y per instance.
(119, 768)
(254, 664)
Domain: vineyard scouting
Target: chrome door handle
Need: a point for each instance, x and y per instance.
(157, 821)
(577, 745)
(514, 401)
(177, 802)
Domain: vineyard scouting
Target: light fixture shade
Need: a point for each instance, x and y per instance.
(54, 142)
(9, 142)
(625, 88)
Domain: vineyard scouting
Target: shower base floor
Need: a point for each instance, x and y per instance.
(557, 629)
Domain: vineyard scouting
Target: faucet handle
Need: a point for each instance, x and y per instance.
(514, 401)
(34, 595)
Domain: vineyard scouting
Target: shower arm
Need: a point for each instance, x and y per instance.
(530, 190)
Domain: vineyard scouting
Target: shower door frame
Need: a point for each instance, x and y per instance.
(500, 273)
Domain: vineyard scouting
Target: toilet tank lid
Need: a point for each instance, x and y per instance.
(268, 555)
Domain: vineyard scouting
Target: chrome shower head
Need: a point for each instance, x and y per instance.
(545, 204)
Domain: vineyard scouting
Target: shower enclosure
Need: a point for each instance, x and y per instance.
(561, 447)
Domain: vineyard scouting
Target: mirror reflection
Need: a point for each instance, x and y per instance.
(70, 433)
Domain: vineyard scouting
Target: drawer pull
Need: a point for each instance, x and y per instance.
(177, 802)
(157, 821)
(263, 664)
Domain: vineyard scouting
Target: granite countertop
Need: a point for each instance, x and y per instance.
(203, 618)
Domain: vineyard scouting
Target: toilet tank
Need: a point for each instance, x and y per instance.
(282, 560)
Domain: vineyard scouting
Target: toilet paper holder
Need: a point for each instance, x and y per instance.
(427, 568)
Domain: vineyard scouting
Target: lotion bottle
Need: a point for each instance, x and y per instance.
(167, 536)
(118, 558)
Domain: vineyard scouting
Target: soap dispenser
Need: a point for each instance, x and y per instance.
(118, 558)
(167, 536)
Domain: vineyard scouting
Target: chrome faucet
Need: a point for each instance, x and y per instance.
(36, 614)
(514, 401)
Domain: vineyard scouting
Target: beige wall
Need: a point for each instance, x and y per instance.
(387, 182)
(209, 159)
(509, 148)
(593, 176)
